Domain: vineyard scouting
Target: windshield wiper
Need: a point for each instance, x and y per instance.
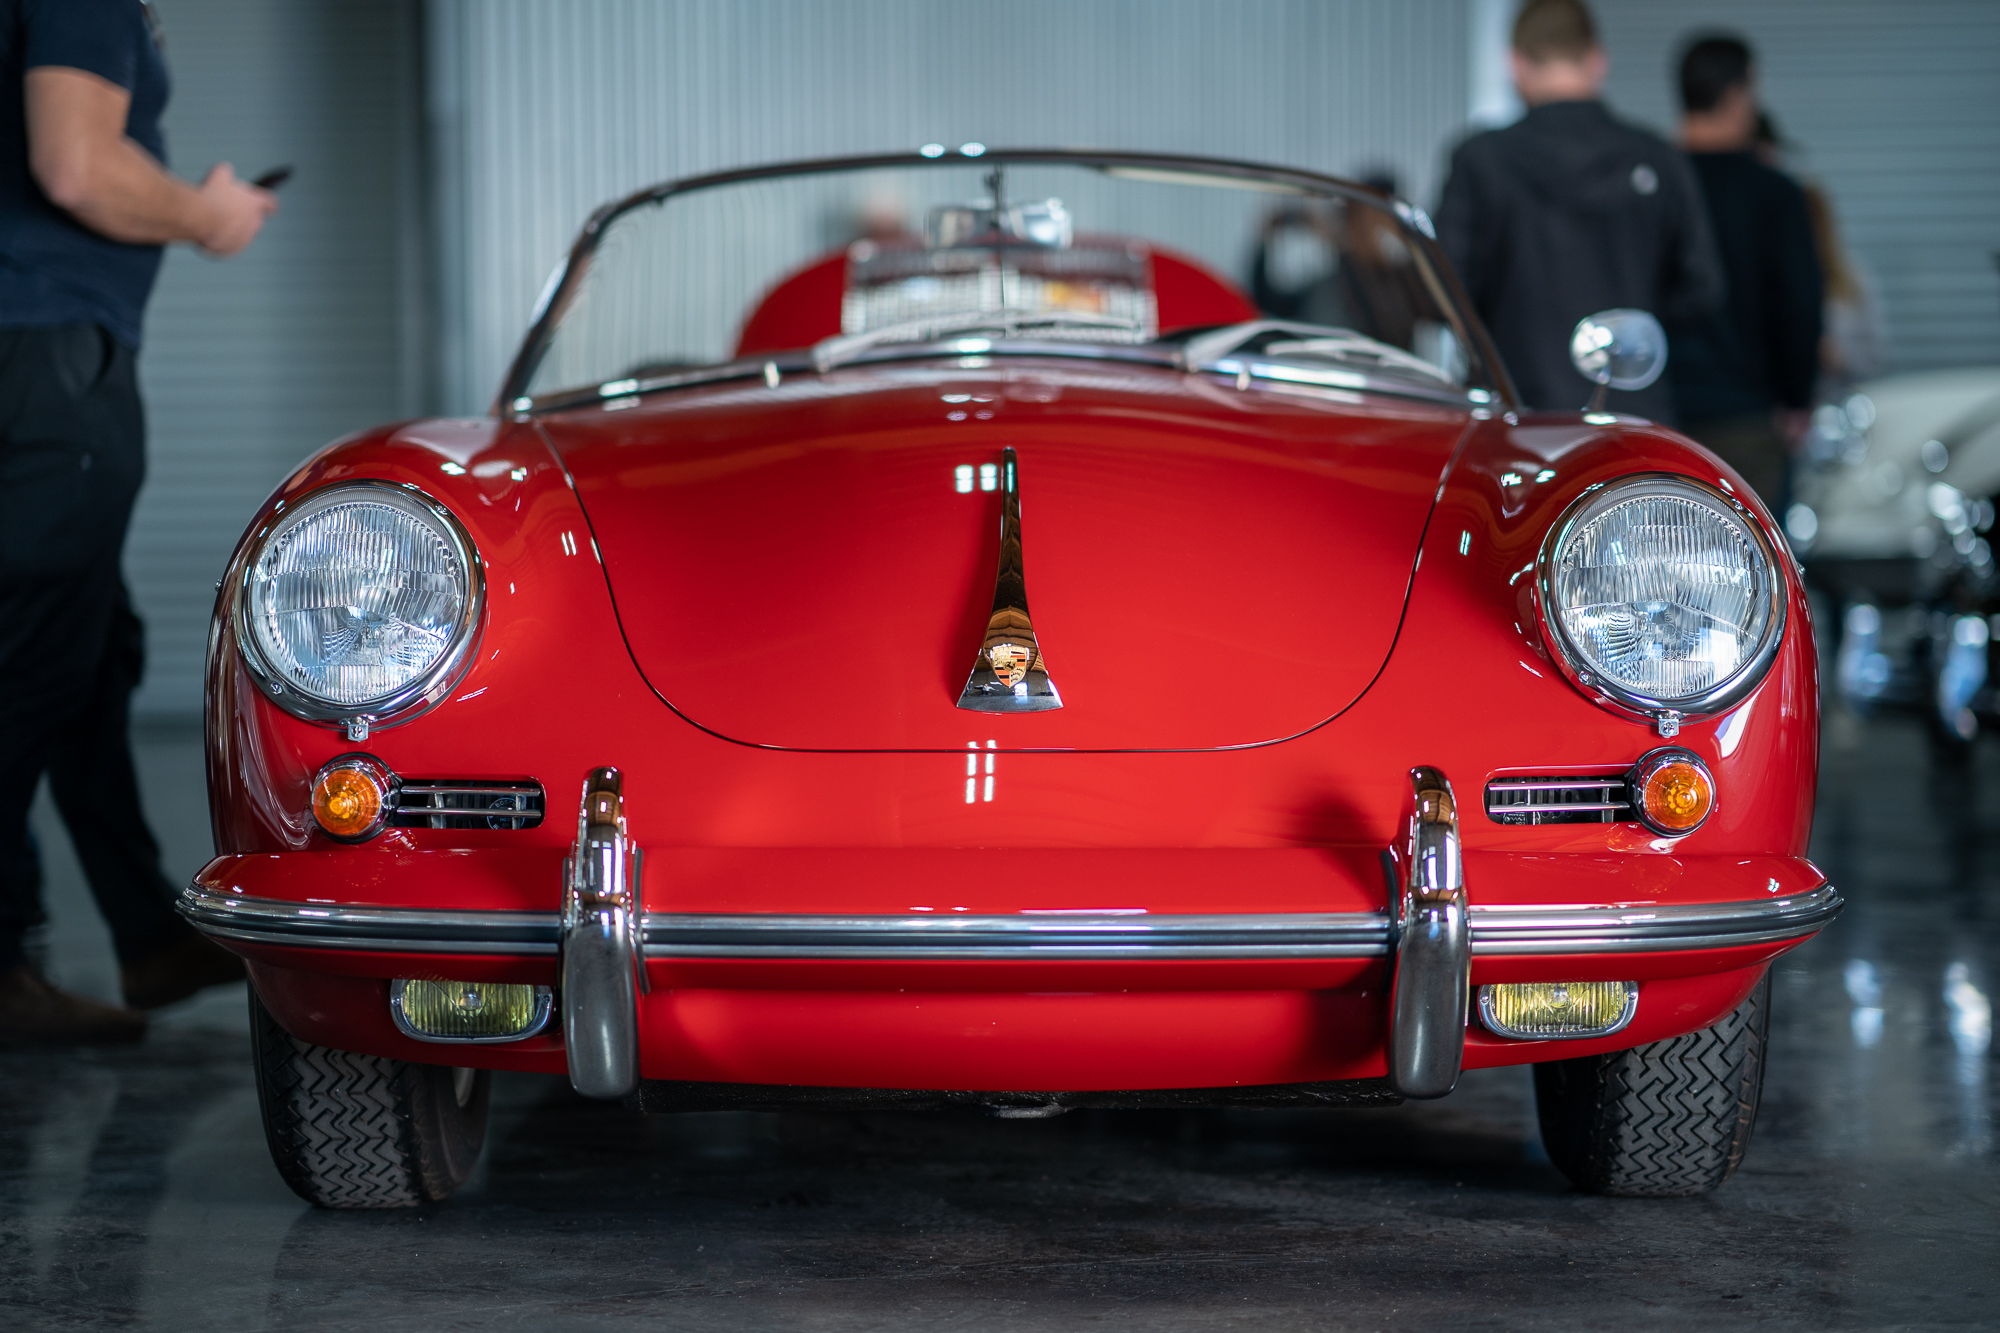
(1007, 322)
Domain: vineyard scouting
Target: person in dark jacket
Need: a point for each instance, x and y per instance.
(1571, 211)
(1744, 375)
(86, 204)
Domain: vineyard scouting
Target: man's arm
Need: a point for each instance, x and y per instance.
(80, 156)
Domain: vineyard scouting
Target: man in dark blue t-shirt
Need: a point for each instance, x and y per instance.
(86, 204)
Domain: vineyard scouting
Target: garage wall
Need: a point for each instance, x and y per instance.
(542, 110)
(253, 363)
(1897, 106)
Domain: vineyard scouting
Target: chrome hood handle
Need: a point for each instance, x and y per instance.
(1009, 675)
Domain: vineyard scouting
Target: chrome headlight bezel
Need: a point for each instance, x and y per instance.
(416, 695)
(1576, 665)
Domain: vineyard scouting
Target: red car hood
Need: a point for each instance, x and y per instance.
(797, 567)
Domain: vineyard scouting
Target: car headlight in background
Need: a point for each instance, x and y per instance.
(1662, 596)
(358, 603)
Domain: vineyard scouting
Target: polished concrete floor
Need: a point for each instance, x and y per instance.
(135, 1190)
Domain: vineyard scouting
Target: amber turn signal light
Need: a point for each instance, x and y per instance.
(1673, 790)
(351, 798)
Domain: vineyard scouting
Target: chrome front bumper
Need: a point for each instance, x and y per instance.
(601, 938)
(1493, 931)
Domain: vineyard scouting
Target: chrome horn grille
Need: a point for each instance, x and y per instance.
(1559, 800)
(451, 803)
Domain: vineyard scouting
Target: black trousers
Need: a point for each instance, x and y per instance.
(72, 457)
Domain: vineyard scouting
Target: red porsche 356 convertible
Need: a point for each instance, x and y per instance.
(978, 659)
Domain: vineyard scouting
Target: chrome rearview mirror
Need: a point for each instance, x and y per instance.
(1046, 224)
(1618, 349)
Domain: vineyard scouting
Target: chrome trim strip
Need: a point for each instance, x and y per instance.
(1585, 930)
(386, 929)
(1496, 931)
(1093, 935)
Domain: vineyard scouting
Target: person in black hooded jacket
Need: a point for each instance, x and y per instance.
(1570, 211)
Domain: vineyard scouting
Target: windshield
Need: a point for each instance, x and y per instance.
(816, 268)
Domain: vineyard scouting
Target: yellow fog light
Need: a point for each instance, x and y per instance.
(469, 1010)
(1557, 1010)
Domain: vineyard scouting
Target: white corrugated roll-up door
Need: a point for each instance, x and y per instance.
(543, 110)
(1895, 106)
(253, 363)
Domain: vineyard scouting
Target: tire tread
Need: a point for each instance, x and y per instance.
(343, 1127)
(1668, 1119)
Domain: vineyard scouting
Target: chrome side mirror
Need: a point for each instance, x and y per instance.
(1618, 349)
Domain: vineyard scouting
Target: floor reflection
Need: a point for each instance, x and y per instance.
(135, 1191)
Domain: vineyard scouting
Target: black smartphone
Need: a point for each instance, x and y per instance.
(273, 178)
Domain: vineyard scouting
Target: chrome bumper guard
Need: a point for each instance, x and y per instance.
(600, 947)
(1432, 983)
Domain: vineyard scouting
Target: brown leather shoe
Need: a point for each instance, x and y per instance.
(34, 1013)
(187, 965)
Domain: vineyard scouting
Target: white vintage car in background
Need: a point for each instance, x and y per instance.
(1894, 504)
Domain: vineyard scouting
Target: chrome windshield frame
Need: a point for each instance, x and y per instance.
(1485, 372)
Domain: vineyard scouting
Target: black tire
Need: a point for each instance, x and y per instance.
(365, 1131)
(1665, 1120)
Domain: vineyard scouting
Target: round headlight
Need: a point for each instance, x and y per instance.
(1663, 595)
(359, 601)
